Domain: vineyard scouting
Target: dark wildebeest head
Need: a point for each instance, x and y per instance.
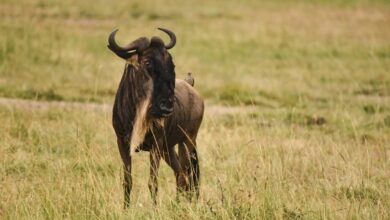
(153, 57)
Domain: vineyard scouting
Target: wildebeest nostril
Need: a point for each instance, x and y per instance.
(162, 104)
(166, 105)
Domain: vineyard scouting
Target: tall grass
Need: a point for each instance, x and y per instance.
(59, 164)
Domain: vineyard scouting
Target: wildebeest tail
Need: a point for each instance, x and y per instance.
(195, 175)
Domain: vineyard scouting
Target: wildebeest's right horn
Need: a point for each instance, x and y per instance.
(124, 52)
(172, 36)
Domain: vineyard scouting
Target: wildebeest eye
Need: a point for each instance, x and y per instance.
(146, 62)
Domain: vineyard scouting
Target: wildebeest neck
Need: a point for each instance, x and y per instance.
(133, 94)
(139, 83)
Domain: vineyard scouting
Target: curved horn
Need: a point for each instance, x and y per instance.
(171, 35)
(138, 45)
(113, 45)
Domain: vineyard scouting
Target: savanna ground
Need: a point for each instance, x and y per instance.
(309, 81)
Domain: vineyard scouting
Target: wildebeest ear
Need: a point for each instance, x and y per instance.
(122, 54)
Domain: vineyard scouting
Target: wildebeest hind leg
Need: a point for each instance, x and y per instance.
(193, 170)
(170, 156)
(185, 165)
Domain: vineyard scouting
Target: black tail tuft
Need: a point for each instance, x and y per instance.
(195, 175)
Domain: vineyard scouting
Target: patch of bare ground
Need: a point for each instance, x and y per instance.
(210, 109)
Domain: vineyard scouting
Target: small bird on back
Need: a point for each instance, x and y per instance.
(190, 79)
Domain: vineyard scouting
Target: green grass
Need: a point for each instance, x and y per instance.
(315, 74)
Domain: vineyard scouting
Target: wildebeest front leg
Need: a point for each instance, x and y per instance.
(170, 156)
(123, 146)
(155, 158)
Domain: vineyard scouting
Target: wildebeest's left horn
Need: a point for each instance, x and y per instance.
(138, 45)
(172, 36)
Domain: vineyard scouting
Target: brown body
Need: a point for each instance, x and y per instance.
(154, 112)
(183, 124)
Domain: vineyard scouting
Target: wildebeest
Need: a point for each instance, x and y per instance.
(154, 112)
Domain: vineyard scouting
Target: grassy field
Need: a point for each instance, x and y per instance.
(311, 80)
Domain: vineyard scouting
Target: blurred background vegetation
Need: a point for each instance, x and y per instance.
(246, 52)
